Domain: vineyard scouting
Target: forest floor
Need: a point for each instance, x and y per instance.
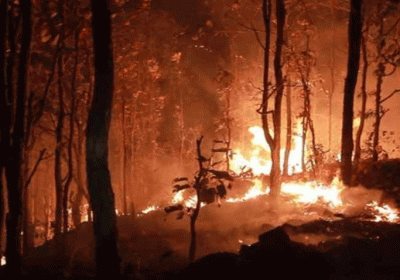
(240, 239)
(155, 245)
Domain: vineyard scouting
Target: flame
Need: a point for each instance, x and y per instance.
(178, 198)
(304, 193)
(384, 212)
(149, 209)
(313, 192)
(3, 261)
(190, 202)
(257, 163)
(255, 191)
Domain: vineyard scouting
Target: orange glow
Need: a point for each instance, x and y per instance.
(257, 163)
(384, 212)
(301, 193)
(313, 192)
(149, 209)
(253, 192)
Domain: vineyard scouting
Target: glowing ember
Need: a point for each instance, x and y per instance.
(149, 209)
(3, 261)
(385, 213)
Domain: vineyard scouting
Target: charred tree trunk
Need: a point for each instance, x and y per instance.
(277, 118)
(194, 216)
(76, 202)
(71, 131)
(266, 9)
(304, 130)
(3, 113)
(288, 129)
(59, 134)
(28, 214)
(378, 111)
(58, 155)
(13, 166)
(354, 38)
(98, 174)
(273, 141)
(364, 97)
(125, 160)
(79, 156)
(26, 245)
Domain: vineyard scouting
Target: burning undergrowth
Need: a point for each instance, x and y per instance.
(331, 233)
(313, 214)
(300, 203)
(153, 242)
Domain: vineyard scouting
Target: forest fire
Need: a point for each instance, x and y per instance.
(384, 212)
(259, 164)
(299, 192)
(139, 138)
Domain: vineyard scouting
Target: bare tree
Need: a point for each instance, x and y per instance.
(364, 97)
(13, 98)
(274, 141)
(288, 128)
(354, 38)
(98, 174)
(3, 114)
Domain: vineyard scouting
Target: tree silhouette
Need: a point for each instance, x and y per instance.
(98, 174)
(354, 38)
(13, 100)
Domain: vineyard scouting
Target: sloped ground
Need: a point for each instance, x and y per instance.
(250, 239)
(238, 240)
(275, 256)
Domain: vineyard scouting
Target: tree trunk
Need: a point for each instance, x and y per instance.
(66, 197)
(98, 174)
(304, 130)
(277, 118)
(364, 97)
(265, 96)
(13, 167)
(81, 193)
(378, 115)
(354, 38)
(58, 154)
(3, 114)
(193, 234)
(125, 161)
(195, 215)
(288, 128)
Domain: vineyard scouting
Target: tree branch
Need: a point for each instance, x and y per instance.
(390, 95)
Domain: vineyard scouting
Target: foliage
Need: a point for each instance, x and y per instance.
(210, 184)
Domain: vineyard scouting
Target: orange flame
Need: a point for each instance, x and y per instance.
(384, 212)
(312, 192)
(257, 163)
